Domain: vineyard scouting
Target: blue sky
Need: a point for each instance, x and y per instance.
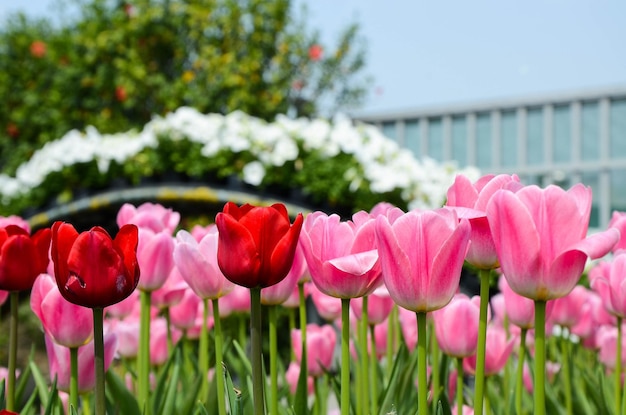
(423, 53)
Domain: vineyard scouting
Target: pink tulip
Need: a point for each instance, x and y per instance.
(159, 351)
(171, 292)
(329, 308)
(293, 301)
(183, 315)
(540, 238)
(292, 375)
(408, 325)
(422, 255)
(236, 301)
(498, 350)
(149, 215)
(520, 310)
(127, 332)
(606, 339)
(342, 256)
(567, 311)
(155, 257)
(3, 296)
(321, 341)
(379, 305)
(279, 293)
(197, 263)
(618, 221)
(59, 361)
(608, 279)
(68, 324)
(194, 331)
(125, 308)
(470, 200)
(456, 326)
(14, 220)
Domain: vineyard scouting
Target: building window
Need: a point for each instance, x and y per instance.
(590, 137)
(618, 194)
(389, 130)
(412, 139)
(435, 139)
(562, 134)
(483, 141)
(534, 137)
(592, 179)
(508, 139)
(618, 129)
(459, 140)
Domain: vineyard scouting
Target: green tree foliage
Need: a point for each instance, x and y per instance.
(117, 63)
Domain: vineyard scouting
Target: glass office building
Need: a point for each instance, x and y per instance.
(561, 139)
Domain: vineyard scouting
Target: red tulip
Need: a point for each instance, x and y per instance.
(22, 257)
(91, 268)
(256, 244)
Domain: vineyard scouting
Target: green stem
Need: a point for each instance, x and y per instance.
(569, 409)
(422, 378)
(143, 357)
(170, 341)
(540, 357)
(320, 395)
(519, 382)
(459, 385)
(273, 361)
(74, 377)
(98, 345)
(434, 347)
(257, 354)
(291, 314)
(13, 319)
(345, 356)
(364, 356)
(86, 404)
(242, 332)
(391, 339)
(487, 403)
(374, 371)
(219, 369)
(304, 365)
(618, 367)
(203, 345)
(479, 380)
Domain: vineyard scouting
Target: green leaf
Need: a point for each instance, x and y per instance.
(121, 398)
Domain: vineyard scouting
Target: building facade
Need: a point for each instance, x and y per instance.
(558, 139)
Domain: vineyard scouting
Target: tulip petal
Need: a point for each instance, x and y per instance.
(356, 264)
(516, 240)
(237, 252)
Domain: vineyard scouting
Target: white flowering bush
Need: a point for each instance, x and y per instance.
(330, 162)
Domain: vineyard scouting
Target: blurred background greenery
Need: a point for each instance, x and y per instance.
(117, 63)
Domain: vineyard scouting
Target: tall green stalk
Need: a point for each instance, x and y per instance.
(203, 353)
(273, 361)
(98, 345)
(569, 409)
(422, 370)
(257, 353)
(434, 349)
(74, 377)
(618, 367)
(373, 370)
(345, 356)
(540, 358)
(219, 369)
(13, 319)
(392, 328)
(363, 344)
(459, 385)
(143, 357)
(519, 382)
(479, 380)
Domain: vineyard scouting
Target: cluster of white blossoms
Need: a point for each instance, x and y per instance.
(379, 161)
